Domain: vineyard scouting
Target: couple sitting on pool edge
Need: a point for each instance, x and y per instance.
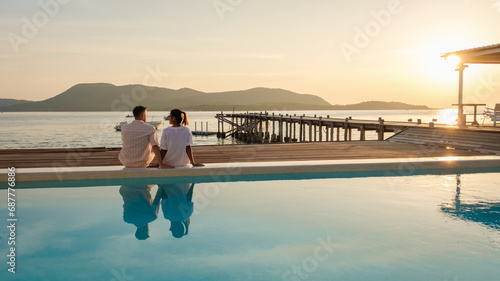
(140, 142)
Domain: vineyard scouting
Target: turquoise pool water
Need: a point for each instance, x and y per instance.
(424, 227)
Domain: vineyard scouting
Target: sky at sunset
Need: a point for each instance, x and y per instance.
(343, 51)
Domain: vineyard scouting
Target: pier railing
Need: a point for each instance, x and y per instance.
(270, 127)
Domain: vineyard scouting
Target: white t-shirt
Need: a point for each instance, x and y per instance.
(174, 140)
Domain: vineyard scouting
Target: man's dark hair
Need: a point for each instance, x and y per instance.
(139, 110)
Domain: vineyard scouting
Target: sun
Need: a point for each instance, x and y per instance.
(439, 69)
(452, 61)
(435, 67)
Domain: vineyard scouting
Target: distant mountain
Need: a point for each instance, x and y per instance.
(379, 105)
(108, 97)
(9, 102)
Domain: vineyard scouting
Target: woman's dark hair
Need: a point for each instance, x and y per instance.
(180, 116)
(180, 228)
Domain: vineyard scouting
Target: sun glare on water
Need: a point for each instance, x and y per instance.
(447, 116)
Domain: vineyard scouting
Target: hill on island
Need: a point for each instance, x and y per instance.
(108, 97)
(9, 102)
(379, 105)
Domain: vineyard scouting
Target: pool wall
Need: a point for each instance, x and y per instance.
(112, 175)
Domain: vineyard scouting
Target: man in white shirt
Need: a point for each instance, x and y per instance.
(140, 142)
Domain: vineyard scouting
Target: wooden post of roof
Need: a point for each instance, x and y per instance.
(461, 119)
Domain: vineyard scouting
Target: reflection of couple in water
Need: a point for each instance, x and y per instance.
(140, 208)
(140, 147)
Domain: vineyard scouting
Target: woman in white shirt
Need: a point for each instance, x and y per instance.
(176, 141)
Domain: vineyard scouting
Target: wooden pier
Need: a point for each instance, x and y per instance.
(278, 128)
(202, 132)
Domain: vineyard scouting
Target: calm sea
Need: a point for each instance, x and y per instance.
(95, 129)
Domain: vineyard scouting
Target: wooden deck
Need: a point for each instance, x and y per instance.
(476, 140)
(101, 156)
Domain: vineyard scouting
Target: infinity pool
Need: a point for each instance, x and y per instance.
(426, 227)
